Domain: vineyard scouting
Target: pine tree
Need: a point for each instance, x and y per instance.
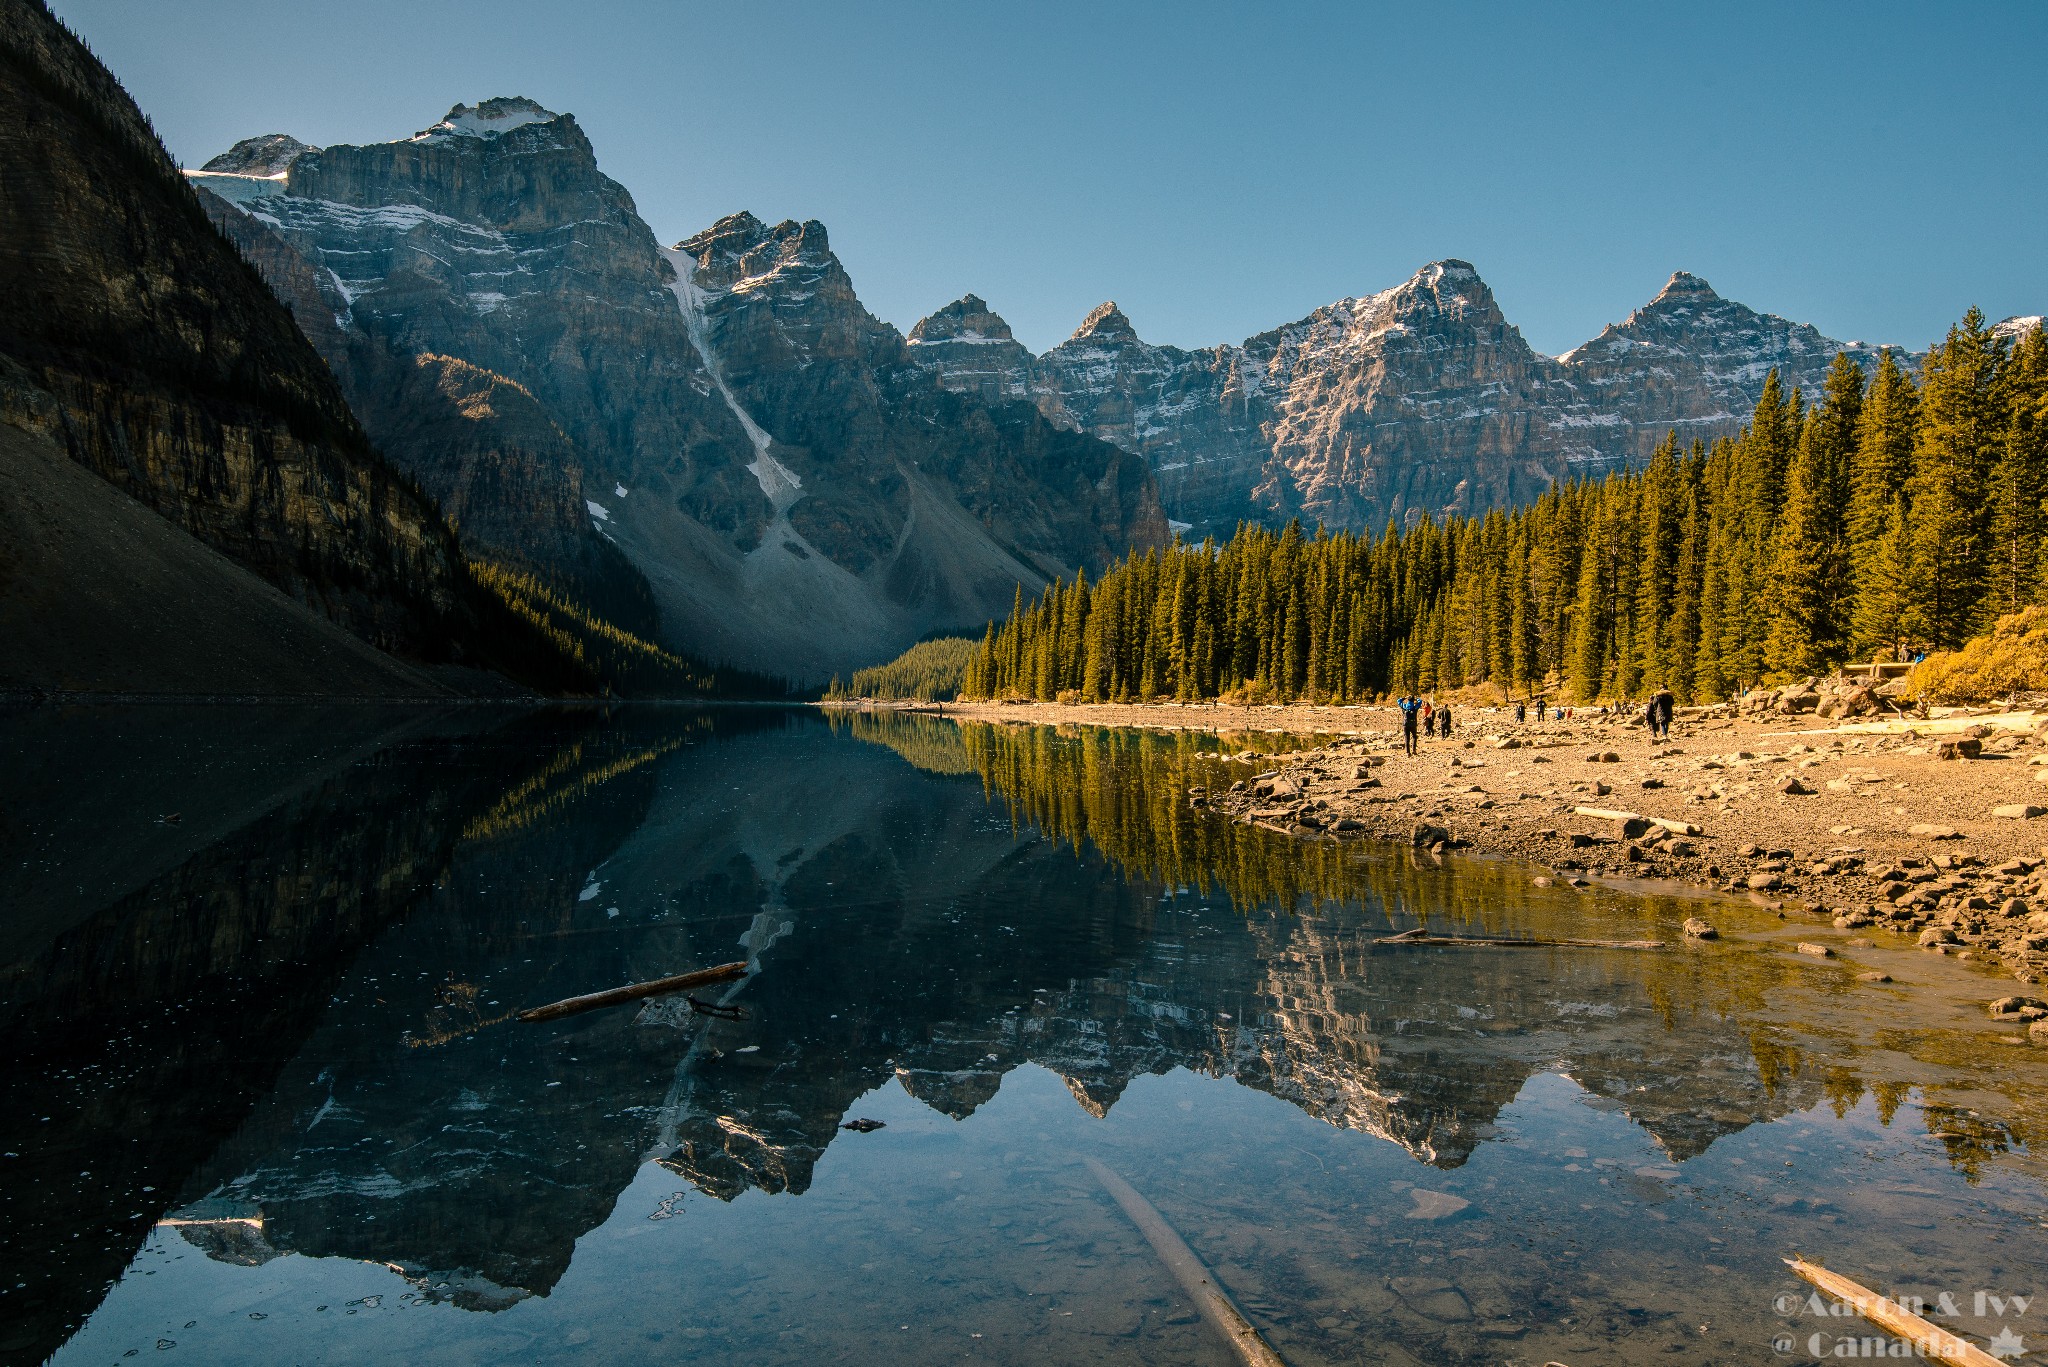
(1886, 434)
(1810, 577)
(2019, 482)
(1958, 440)
(1886, 617)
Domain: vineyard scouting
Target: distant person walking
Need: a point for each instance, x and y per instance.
(1521, 713)
(1665, 706)
(1411, 720)
(1443, 721)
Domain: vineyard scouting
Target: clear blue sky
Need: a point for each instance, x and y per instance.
(1221, 169)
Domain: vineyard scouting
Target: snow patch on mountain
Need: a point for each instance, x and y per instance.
(489, 119)
(239, 190)
(778, 482)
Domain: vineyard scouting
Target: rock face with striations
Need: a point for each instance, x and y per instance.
(1420, 399)
(138, 343)
(798, 497)
(1693, 362)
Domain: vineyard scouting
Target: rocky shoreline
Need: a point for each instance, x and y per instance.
(1918, 830)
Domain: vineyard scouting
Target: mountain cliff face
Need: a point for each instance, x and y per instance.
(144, 349)
(798, 496)
(1422, 398)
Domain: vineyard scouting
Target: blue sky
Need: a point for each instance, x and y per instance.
(1221, 169)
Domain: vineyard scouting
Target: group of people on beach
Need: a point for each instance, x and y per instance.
(1421, 717)
(1425, 717)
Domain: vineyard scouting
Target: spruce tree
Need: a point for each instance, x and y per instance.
(1886, 433)
(1957, 443)
(1810, 594)
(2019, 482)
(1887, 620)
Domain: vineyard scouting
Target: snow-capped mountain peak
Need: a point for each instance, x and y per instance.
(2018, 327)
(269, 156)
(487, 119)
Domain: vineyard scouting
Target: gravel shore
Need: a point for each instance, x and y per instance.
(1863, 826)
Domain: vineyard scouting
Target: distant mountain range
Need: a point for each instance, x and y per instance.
(806, 489)
(1422, 398)
(713, 444)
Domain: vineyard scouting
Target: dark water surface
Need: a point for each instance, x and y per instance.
(264, 1103)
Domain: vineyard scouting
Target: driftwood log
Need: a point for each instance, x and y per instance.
(681, 982)
(1187, 1268)
(1930, 1340)
(1417, 937)
(1676, 827)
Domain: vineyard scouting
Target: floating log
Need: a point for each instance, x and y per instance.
(1417, 937)
(1211, 1299)
(1674, 826)
(703, 977)
(1930, 1340)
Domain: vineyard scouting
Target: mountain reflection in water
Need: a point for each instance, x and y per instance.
(290, 1034)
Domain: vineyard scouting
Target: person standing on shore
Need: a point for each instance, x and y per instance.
(1443, 721)
(1521, 712)
(1411, 717)
(1665, 706)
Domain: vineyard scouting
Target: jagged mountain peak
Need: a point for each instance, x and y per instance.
(1448, 269)
(1448, 288)
(1685, 285)
(1443, 294)
(739, 254)
(488, 118)
(269, 155)
(2019, 326)
(1105, 323)
(741, 227)
(966, 319)
(742, 237)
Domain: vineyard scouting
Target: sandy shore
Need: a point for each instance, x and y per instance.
(1860, 826)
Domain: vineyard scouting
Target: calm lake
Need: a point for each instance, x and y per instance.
(265, 1101)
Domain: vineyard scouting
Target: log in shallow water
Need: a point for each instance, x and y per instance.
(1929, 1340)
(1416, 937)
(703, 977)
(1210, 1298)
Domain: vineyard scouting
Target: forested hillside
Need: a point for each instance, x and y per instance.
(929, 671)
(1893, 511)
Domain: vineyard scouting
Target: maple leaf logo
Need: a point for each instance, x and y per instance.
(2006, 1344)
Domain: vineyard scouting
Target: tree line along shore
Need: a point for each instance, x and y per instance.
(1895, 513)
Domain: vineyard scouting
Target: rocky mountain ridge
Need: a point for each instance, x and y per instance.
(788, 491)
(138, 346)
(795, 485)
(1422, 398)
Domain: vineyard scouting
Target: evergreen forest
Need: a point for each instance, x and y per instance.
(1891, 513)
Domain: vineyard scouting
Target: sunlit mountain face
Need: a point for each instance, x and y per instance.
(285, 1052)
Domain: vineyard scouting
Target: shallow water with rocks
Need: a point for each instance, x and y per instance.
(267, 1099)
